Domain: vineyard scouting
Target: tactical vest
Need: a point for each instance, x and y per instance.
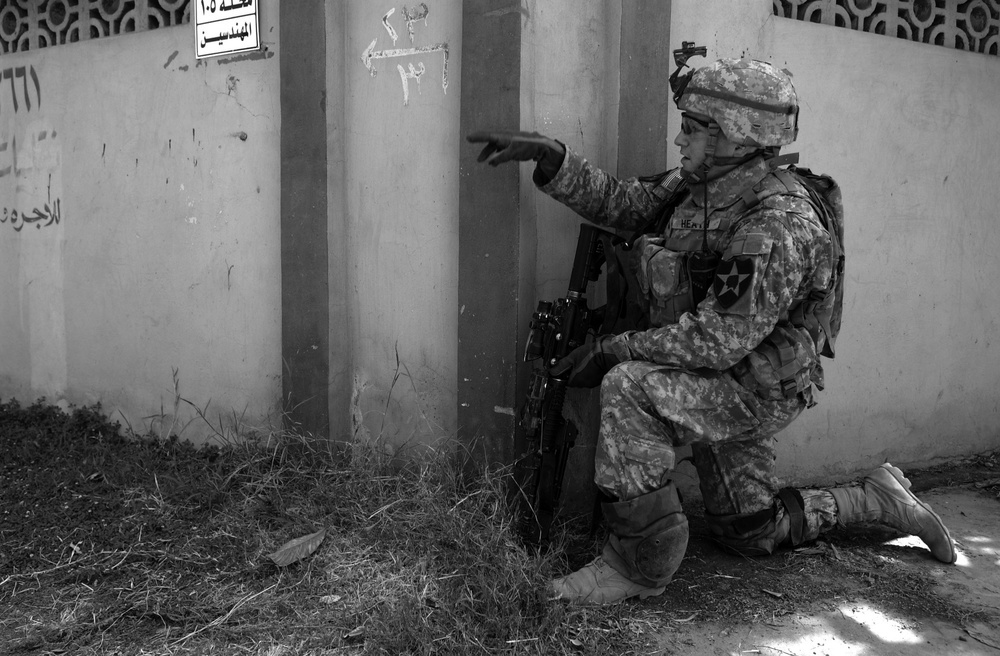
(786, 363)
(660, 262)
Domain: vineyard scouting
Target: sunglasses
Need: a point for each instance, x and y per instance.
(690, 124)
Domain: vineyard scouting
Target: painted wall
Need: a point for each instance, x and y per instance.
(919, 370)
(905, 128)
(146, 237)
(570, 59)
(165, 254)
(394, 209)
(570, 80)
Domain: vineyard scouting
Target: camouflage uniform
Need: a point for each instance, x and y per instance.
(736, 290)
(701, 379)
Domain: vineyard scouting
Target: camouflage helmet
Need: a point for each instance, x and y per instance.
(753, 102)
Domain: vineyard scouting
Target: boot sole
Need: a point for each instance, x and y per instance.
(584, 597)
(905, 483)
(586, 601)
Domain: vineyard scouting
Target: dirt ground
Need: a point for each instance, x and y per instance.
(864, 591)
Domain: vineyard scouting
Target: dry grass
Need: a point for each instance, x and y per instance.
(115, 545)
(171, 555)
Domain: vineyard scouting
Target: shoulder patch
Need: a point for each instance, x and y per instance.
(733, 278)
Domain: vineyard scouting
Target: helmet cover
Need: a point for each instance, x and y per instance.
(753, 102)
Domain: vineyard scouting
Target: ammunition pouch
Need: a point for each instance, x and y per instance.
(701, 267)
(663, 280)
(783, 366)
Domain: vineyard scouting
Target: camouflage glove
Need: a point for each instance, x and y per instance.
(586, 365)
(522, 147)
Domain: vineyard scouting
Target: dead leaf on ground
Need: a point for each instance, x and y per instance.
(297, 549)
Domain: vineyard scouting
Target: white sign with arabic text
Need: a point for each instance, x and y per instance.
(223, 27)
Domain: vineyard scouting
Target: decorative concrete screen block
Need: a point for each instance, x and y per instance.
(33, 24)
(972, 25)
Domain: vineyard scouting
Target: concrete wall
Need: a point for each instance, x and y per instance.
(904, 387)
(570, 86)
(169, 253)
(164, 256)
(166, 253)
(397, 240)
(907, 129)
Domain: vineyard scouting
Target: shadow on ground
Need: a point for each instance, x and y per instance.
(859, 592)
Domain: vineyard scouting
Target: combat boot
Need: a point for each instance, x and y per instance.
(884, 497)
(648, 537)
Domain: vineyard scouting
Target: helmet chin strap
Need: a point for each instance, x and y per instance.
(707, 165)
(714, 167)
(736, 161)
(702, 264)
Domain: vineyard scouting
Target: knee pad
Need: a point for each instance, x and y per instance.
(649, 536)
(659, 555)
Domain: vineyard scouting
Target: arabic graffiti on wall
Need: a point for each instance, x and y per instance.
(30, 167)
(411, 16)
(50, 213)
(21, 73)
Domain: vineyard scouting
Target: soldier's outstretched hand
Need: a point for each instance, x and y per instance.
(504, 146)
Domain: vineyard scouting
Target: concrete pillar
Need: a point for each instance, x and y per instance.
(492, 293)
(305, 298)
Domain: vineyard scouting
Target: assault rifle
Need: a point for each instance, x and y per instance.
(556, 328)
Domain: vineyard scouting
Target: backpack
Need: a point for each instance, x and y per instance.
(823, 194)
